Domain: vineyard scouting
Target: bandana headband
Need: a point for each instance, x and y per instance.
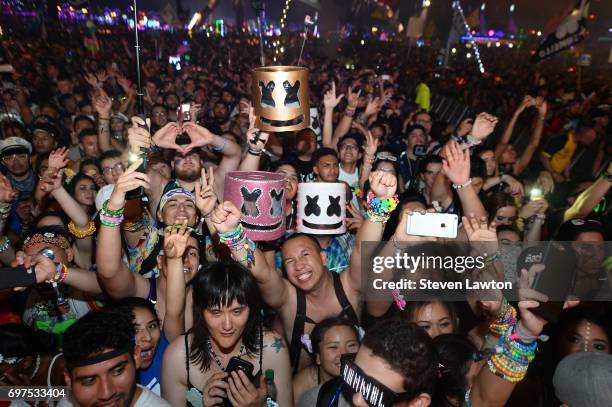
(101, 357)
(48, 238)
(174, 193)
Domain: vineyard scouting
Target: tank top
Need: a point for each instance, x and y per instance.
(295, 348)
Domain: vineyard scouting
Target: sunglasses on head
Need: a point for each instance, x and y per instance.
(373, 392)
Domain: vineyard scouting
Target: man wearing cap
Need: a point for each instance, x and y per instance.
(44, 138)
(101, 362)
(583, 379)
(15, 156)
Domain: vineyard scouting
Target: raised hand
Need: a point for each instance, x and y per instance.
(371, 144)
(374, 105)
(58, 159)
(256, 139)
(545, 179)
(527, 101)
(483, 126)
(533, 208)
(51, 180)
(383, 184)
(479, 230)
(353, 97)
(166, 136)
(194, 109)
(102, 103)
(206, 197)
(456, 163)
(330, 100)
(200, 136)
(125, 83)
(354, 222)
(482, 236)
(175, 241)
(139, 137)
(225, 217)
(515, 187)
(102, 75)
(92, 80)
(7, 193)
(128, 181)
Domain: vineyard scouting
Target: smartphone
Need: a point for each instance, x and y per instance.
(185, 112)
(433, 224)
(385, 77)
(555, 280)
(536, 194)
(235, 364)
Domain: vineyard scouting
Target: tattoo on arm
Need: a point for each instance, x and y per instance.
(277, 344)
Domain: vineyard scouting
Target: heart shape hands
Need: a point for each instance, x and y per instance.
(198, 136)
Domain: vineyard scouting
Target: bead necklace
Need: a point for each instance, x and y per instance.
(217, 359)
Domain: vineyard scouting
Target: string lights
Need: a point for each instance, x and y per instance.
(459, 9)
(277, 44)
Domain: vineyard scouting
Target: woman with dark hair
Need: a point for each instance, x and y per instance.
(226, 327)
(330, 339)
(84, 189)
(436, 317)
(150, 340)
(28, 357)
(501, 208)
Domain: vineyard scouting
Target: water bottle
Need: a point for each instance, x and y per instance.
(271, 387)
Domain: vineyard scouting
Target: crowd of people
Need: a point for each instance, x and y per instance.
(135, 284)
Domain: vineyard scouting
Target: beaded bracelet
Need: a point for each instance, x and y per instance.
(515, 349)
(505, 319)
(512, 364)
(464, 185)
(61, 272)
(4, 244)
(236, 239)
(110, 211)
(110, 220)
(379, 210)
(82, 233)
(230, 238)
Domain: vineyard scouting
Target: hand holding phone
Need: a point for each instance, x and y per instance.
(185, 112)
(433, 225)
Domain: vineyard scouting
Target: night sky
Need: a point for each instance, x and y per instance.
(529, 14)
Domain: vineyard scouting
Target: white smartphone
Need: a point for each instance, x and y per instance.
(185, 113)
(433, 225)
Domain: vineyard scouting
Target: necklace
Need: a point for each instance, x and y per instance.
(217, 359)
(36, 367)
